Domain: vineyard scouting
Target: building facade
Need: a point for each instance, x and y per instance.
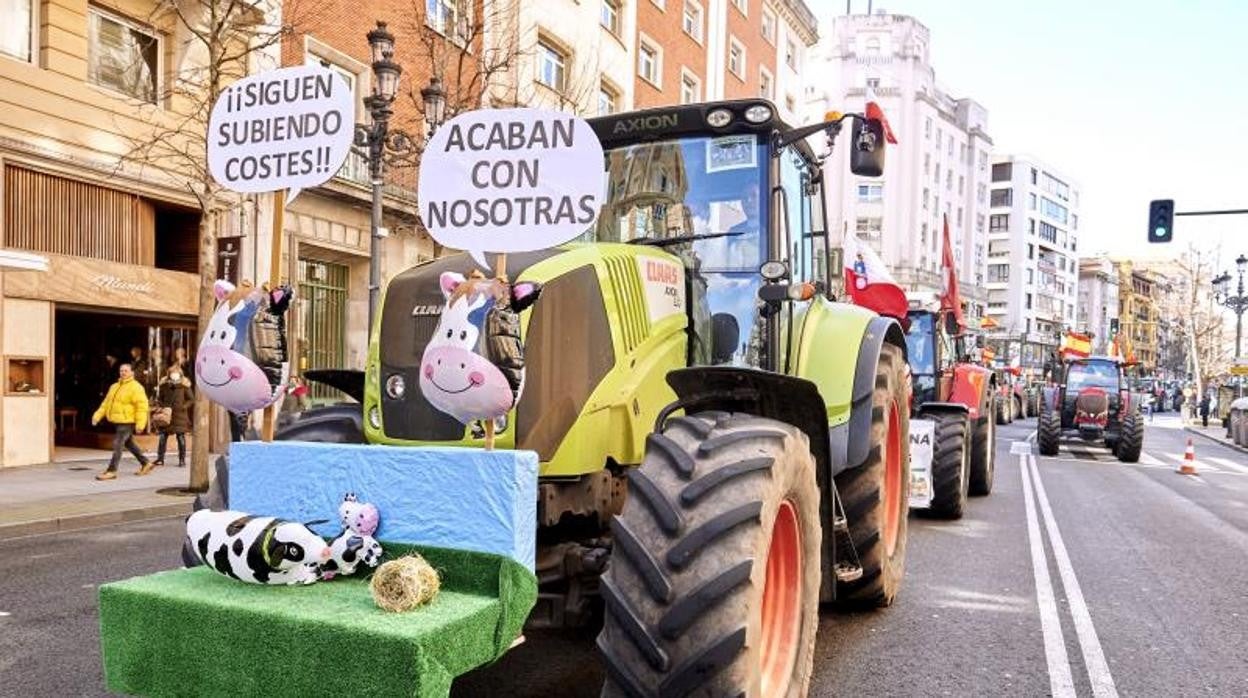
(1033, 244)
(1139, 312)
(939, 168)
(1096, 304)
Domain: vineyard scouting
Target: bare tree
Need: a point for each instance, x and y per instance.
(221, 41)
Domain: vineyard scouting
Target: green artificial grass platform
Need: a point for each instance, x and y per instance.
(196, 632)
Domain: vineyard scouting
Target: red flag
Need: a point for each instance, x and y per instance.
(949, 298)
(873, 111)
(868, 282)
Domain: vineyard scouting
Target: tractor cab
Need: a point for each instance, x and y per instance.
(933, 347)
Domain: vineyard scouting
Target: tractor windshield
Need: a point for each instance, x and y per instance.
(1092, 374)
(920, 349)
(689, 186)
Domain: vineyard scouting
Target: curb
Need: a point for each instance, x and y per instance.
(1215, 439)
(85, 521)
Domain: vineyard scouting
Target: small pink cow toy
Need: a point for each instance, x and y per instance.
(473, 368)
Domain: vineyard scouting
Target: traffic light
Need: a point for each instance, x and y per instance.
(1113, 326)
(1161, 220)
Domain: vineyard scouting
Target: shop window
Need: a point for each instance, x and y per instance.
(25, 376)
(177, 236)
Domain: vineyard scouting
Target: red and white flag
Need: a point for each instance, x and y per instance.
(949, 298)
(868, 282)
(874, 111)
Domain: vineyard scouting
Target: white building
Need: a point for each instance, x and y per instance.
(938, 167)
(1033, 249)
(1096, 306)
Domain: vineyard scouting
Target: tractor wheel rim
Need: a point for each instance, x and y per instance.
(782, 602)
(892, 481)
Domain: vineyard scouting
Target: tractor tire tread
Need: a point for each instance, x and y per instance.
(949, 467)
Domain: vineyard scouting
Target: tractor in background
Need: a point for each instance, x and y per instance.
(953, 423)
(1094, 401)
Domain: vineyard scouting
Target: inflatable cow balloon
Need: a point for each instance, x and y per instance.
(242, 363)
(473, 368)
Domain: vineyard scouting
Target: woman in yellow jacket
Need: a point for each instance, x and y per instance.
(126, 407)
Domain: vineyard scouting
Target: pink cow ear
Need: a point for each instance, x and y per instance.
(524, 294)
(222, 288)
(450, 281)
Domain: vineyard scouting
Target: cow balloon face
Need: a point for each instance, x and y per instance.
(242, 363)
(473, 368)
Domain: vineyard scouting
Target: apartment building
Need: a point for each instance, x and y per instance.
(1096, 304)
(1139, 311)
(938, 168)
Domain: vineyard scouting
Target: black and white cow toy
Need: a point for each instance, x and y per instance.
(257, 549)
(348, 550)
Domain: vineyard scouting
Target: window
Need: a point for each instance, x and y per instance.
(1031, 252)
(1029, 301)
(790, 55)
(648, 62)
(608, 100)
(552, 66)
(765, 85)
(870, 193)
(959, 216)
(923, 239)
(769, 26)
(1052, 209)
(926, 194)
(873, 46)
(940, 136)
(961, 184)
(690, 88)
(1031, 279)
(979, 223)
(948, 180)
(927, 163)
(1002, 197)
(449, 17)
(1031, 226)
(1031, 202)
(1074, 221)
(1033, 175)
(869, 228)
(927, 127)
(16, 31)
(741, 5)
(736, 58)
(1048, 232)
(998, 273)
(951, 145)
(123, 57)
(936, 178)
(611, 16)
(1002, 171)
(873, 83)
(998, 222)
(692, 20)
(790, 103)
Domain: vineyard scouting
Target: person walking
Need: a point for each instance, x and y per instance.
(174, 394)
(1204, 410)
(126, 407)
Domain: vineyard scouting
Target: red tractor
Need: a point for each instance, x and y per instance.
(953, 417)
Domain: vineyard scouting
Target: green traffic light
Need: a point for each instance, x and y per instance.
(1160, 232)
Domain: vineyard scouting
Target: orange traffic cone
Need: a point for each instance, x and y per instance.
(1189, 460)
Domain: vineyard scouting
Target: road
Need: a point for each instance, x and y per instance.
(1089, 578)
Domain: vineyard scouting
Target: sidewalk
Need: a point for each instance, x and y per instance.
(65, 496)
(1214, 432)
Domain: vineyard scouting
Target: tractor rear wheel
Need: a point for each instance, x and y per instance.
(983, 456)
(951, 461)
(1048, 431)
(1002, 411)
(1131, 439)
(1020, 409)
(713, 586)
(876, 494)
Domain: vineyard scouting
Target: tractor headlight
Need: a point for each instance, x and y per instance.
(374, 417)
(396, 387)
(719, 118)
(758, 113)
(773, 271)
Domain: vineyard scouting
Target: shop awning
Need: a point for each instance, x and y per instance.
(22, 261)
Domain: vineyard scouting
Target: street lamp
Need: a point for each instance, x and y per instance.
(376, 141)
(434, 99)
(1238, 303)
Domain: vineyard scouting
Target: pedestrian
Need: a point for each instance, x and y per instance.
(126, 407)
(1148, 406)
(1204, 410)
(174, 394)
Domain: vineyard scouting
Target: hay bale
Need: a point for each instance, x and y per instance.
(404, 583)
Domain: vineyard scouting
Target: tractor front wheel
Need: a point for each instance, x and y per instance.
(713, 585)
(951, 459)
(876, 494)
(1049, 431)
(1131, 439)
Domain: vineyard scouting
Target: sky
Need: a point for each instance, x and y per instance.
(1132, 100)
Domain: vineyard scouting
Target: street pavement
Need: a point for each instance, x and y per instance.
(1079, 575)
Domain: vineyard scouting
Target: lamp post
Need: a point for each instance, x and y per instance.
(1238, 303)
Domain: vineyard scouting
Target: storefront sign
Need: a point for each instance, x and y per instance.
(284, 129)
(101, 283)
(229, 252)
(511, 180)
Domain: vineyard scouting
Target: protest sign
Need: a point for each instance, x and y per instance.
(284, 129)
(511, 180)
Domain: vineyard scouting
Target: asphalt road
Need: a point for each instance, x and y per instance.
(1090, 578)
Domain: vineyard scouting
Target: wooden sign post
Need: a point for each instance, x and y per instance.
(268, 420)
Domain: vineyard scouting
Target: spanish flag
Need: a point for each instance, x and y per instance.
(1076, 345)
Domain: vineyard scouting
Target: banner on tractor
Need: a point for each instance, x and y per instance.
(511, 180)
(284, 129)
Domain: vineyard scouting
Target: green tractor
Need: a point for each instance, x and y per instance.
(723, 446)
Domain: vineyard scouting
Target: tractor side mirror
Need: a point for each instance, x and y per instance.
(866, 155)
(725, 336)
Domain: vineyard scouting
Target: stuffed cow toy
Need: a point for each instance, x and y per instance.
(242, 363)
(355, 544)
(473, 367)
(257, 549)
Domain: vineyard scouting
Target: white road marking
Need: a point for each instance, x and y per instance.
(1236, 467)
(1060, 680)
(1019, 448)
(1149, 459)
(1093, 655)
(4, 614)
